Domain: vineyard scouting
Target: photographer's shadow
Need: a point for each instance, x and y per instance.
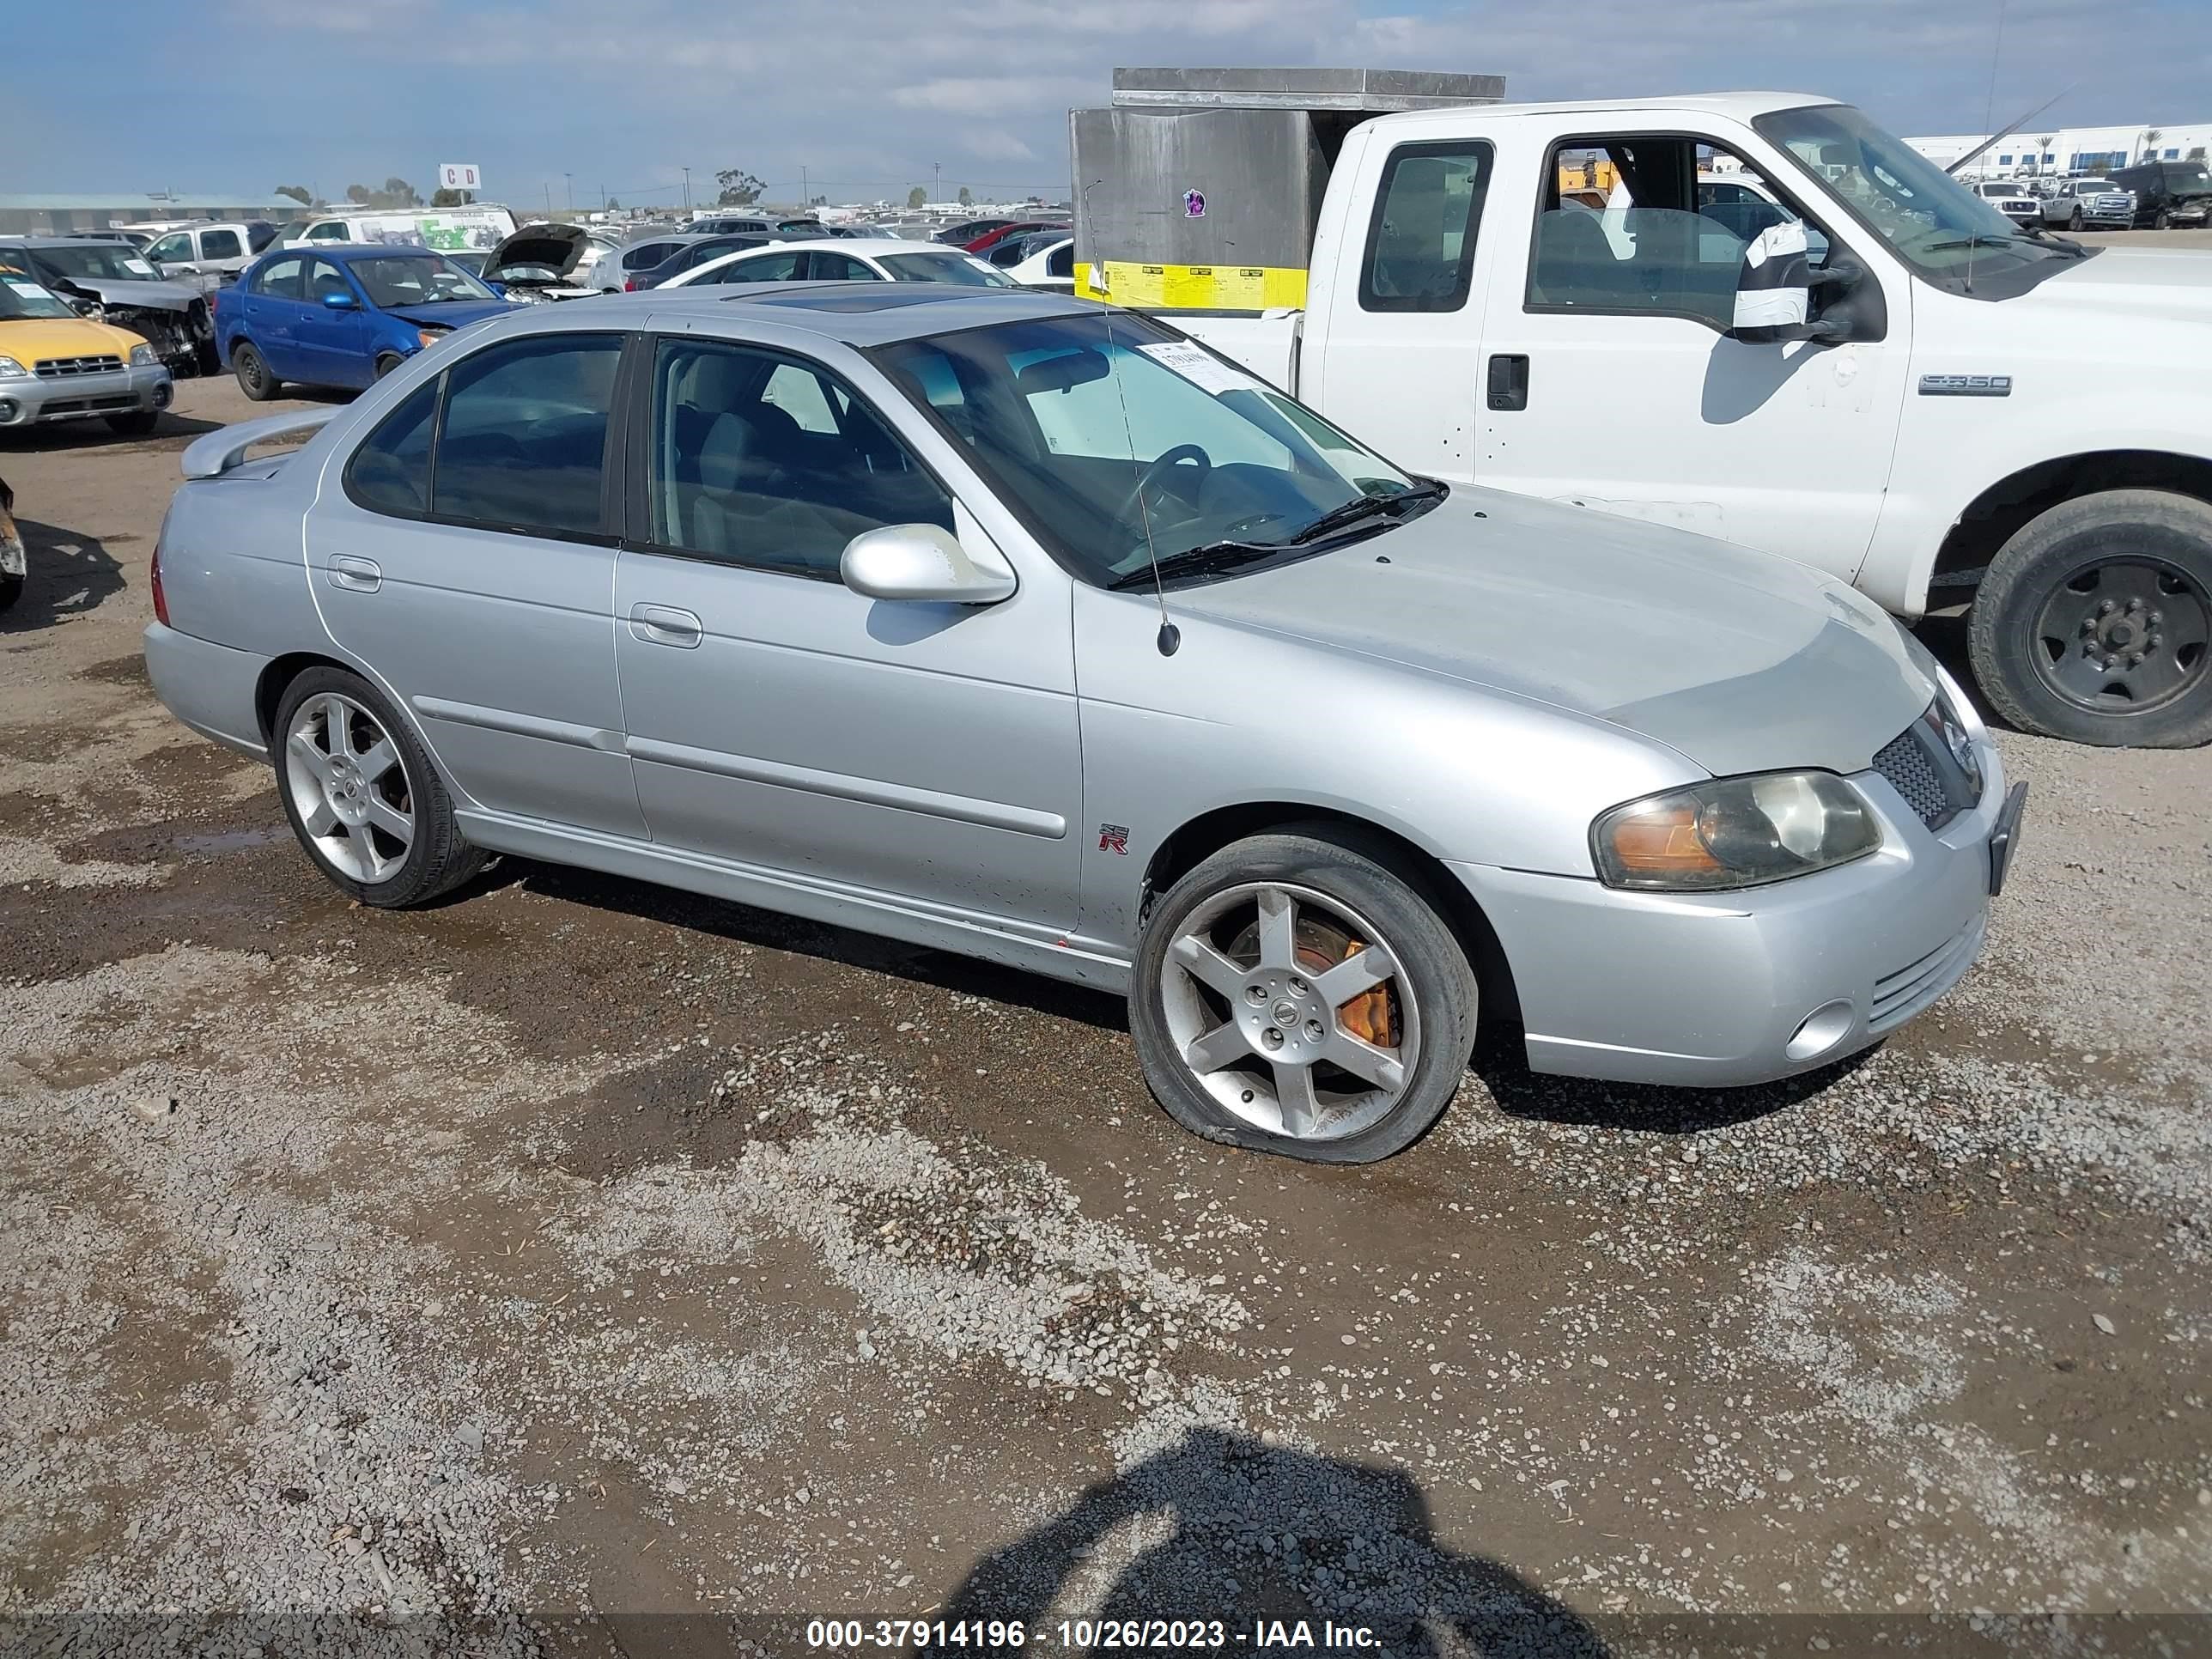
(1255, 1534)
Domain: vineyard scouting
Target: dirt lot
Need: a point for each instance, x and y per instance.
(580, 1253)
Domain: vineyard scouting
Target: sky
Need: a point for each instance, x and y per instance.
(567, 100)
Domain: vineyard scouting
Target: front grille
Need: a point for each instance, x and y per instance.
(1899, 995)
(1919, 764)
(61, 368)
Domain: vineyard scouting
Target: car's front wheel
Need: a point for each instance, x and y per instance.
(2094, 622)
(362, 795)
(2074, 219)
(1300, 992)
(254, 378)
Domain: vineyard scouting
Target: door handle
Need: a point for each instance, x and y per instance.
(665, 624)
(360, 576)
(1509, 382)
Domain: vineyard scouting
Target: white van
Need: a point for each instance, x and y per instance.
(452, 230)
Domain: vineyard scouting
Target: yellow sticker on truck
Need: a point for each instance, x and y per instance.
(1194, 288)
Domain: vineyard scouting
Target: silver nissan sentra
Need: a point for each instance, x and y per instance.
(1006, 624)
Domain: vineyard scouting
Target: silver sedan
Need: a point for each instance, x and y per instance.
(1006, 624)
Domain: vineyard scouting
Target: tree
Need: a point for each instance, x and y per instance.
(298, 193)
(357, 194)
(739, 188)
(2150, 144)
(612, 205)
(967, 196)
(444, 197)
(916, 197)
(397, 192)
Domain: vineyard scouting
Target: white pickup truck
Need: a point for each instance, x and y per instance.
(1969, 411)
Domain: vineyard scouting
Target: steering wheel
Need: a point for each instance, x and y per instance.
(1132, 510)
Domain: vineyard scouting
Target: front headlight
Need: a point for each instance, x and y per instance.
(1734, 832)
(429, 336)
(141, 356)
(12, 370)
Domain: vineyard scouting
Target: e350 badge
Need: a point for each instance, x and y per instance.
(1965, 385)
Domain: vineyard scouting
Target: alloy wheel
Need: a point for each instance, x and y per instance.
(2123, 635)
(1291, 1011)
(348, 787)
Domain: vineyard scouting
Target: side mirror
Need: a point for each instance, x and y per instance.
(1774, 291)
(921, 562)
(340, 300)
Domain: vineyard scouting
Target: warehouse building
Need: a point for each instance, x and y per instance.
(2033, 152)
(56, 212)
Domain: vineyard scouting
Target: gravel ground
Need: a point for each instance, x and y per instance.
(583, 1266)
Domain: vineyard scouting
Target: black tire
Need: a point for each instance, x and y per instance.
(437, 859)
(2074, 219)
(11, 589)
(2039, 605)
(387, 362)
(1366, 876)
(254, 378)
(135, 424)
(2163, 221)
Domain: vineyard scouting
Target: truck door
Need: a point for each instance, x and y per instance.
(1610, 379)
(1395, 331)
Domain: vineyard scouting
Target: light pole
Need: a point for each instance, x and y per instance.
(570, 180)
(936, 181)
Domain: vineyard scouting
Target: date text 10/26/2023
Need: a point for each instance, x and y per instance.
(1087, 1635)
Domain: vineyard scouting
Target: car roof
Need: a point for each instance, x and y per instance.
(343, 251)
(1743, 106)
(854, 313)
(871, 245)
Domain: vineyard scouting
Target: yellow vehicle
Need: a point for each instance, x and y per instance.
(57, 366)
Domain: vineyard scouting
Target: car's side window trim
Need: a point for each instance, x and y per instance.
(611, 454)
(1486, 155)
(637, 515)
(1546, 185)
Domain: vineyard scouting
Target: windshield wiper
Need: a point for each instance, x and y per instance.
(1363, 507)
(1203, 561)
(1979, 239)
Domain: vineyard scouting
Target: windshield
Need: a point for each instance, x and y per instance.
(22, 299)
(2185, 179)
(117, 261)
(1068, 415)
(944, 268)
(415, 279)
(1946, 233)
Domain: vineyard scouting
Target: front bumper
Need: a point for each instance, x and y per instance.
(34, 399)
(1721, 989)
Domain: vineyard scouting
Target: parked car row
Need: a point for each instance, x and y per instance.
(2149, 196)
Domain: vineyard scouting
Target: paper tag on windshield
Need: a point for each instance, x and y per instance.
(28, 290)
(1199, 366)
(138, 267)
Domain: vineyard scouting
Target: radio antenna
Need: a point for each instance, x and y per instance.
(1169, 638)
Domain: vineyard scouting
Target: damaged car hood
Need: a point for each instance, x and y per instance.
(1739, 660)
(545, 252)
(123, 291)
(450, 313)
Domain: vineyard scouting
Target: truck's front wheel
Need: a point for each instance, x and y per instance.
(2093, 622)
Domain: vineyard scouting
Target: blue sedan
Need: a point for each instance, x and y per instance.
(342, 315)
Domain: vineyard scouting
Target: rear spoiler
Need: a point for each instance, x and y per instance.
(216, 453)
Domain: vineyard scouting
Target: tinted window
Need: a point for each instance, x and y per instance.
(645, 256)
(391, 471)
(948, 266)
(522, 442)
(1420, 248)
(324, 279)
(766, 461)
(767, 268)
(171, 250)
(327, 233)
(836, 268)
(282, 279)
(1062, 262)
(219, 245)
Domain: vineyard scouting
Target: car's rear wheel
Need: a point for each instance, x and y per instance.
(1299, 993)
(2094, 622)
(362, 794)
(254, 378)
(134, 424)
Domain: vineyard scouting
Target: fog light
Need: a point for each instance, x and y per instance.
(1824, 1028)
(7, 409)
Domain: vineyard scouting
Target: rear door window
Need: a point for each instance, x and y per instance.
(767, 268)
(219, 245)
(391, 471)
(522, 437)
(282, 279)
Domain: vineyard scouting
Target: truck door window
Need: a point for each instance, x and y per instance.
(1420, 246)
(174, 250)
(1650, 225)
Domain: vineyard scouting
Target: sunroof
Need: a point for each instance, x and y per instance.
(864, 296)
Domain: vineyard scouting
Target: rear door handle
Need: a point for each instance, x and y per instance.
(1509, 382)
(359, 574)
(665, 624)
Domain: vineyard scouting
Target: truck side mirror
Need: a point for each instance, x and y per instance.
(1774, 288)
